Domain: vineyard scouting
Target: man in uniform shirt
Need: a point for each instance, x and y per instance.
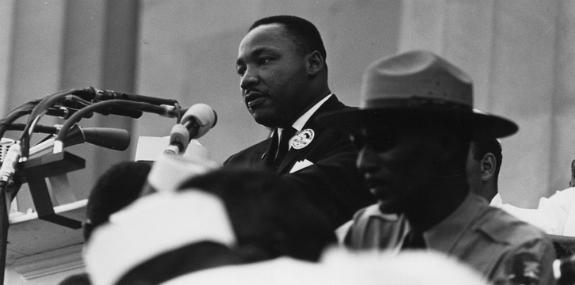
(413, 130)
(283, 70)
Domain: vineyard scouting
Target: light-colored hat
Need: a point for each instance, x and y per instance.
(155, 224)
(418, 83)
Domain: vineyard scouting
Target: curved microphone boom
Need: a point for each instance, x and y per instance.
(195, 123)
(169, 111)
(113, 138)
(97, 95)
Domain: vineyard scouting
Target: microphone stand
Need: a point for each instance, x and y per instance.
(34, 172)
(4, 224)
(9, 189)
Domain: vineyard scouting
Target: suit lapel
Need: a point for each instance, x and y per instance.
(261, 157)
(293, 155)
(268, 155)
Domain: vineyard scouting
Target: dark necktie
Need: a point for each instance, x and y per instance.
(283, 145)
(413, 240)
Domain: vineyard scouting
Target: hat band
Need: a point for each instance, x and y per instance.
(415, 102)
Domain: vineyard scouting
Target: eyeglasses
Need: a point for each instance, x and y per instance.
(380, 140)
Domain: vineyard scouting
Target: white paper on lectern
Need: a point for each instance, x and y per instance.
(150, 148)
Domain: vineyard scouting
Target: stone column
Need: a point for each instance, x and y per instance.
(49, 46)
(563, 123)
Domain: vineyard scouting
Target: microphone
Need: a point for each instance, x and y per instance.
(164, 110)
(102, 95)
(195, 123)
(179, 139)
(199, 119)
(112, 138)
(121, 111)
(116, 139)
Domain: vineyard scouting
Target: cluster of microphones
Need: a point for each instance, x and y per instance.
(22, 162)
(76, 104)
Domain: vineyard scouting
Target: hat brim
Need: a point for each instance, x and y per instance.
(481, 125)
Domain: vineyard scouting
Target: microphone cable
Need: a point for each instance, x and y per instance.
(168, 111)
(38, 111)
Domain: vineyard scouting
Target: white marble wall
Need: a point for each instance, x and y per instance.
(519, 54)
(53, 45)
(188, 51)
(517, 51)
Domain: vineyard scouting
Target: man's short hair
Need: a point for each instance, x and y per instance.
(305, 34)
(481, 147)
(269, 216)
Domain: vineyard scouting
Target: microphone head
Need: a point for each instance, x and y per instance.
(117, 139)
(179, 138)
(202, 116)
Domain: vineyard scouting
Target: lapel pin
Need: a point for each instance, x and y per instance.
(302, 139)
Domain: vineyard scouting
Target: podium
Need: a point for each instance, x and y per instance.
(34, 242)
(37, 249)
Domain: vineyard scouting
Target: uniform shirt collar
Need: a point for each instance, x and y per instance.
(448, 232)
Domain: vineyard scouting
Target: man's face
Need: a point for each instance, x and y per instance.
(273, 75)
(399, 163)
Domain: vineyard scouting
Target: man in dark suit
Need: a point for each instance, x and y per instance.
(281, 62)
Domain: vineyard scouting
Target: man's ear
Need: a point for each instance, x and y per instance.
(488, 166)
(314, 63)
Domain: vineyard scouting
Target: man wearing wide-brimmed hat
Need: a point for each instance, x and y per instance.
(413, 130)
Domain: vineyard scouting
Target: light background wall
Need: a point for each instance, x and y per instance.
(49, 46)
(520, 56)
(188, 51)
(519, 53)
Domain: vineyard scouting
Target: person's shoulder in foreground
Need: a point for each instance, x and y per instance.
(339, 267)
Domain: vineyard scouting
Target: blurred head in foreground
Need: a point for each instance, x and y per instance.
(345, 268)
(118, 187)
(270, 217)
(223, 217)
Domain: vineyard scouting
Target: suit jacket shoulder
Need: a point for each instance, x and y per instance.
(253, 156)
